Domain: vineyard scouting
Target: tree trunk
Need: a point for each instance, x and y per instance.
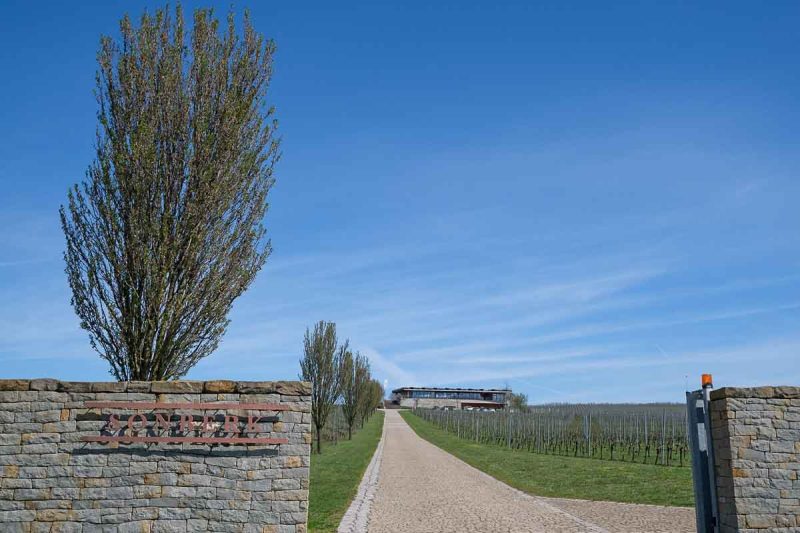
(319, 439)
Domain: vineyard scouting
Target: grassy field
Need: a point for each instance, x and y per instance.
(566, 477)
(336, 473)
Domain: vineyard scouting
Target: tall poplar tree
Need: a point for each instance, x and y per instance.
(355, 378)
(321, 364)
(166, 230)
(373, 399)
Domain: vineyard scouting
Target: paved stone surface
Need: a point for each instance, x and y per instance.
(356, 518)
(630, 517)
(423, 489)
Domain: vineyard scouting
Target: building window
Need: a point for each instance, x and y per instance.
(497, 397)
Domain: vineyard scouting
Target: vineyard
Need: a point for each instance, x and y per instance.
(335, 428)
(644, 433)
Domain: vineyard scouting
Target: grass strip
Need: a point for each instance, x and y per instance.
(566, 477)
(336, 474)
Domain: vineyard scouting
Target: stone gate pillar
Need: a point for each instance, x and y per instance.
(756, 437)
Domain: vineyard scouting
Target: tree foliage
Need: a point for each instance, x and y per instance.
(355, 378)
(321, 364)
(373, 399)
(518, 402)
(166, 231)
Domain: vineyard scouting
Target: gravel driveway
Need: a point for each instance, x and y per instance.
(423, 489)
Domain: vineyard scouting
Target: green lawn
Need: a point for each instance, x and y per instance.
(336, 473)
(566, 477)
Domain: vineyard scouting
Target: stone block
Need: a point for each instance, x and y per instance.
(197, 524)
(147, 467)
(7, 517)
(177, 386)
(293, 518)
(112, 386)
(256, 387)
(74, 386)
(14, 384)
(220, 386)
(31, 494)
(293, 388)
(44, 384)
(138, 386)
(169, 526)
(761, 521)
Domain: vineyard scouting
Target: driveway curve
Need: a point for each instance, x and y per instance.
(423, 489)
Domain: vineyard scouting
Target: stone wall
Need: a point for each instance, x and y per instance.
(149, 457)
(756, 434)
(429, 403)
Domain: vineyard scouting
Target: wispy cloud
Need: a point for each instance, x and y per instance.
(782, 350)
(576, 291)
(595, 330)
(389, 370)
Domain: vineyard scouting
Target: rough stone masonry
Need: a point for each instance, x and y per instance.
(154, 456)
(756, 434)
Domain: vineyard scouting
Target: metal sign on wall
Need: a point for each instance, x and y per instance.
(187, 423)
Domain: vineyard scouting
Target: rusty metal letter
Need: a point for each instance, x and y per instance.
(231, 423)
(132, 420)
(162, 422)
(252, 424)
(186, 423)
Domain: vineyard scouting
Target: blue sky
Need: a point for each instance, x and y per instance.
(587, 202)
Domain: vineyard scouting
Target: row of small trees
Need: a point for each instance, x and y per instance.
(337, 374)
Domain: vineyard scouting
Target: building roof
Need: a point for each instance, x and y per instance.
(449, 389)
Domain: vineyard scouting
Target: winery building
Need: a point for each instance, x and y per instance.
(450, 398)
